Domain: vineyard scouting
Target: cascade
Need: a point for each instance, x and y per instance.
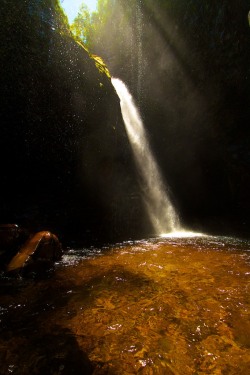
(160, 209)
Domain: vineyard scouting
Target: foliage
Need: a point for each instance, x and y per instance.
(82, 24)
(83, 27)
(112, 33)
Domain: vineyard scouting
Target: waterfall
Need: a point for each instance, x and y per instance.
(160, 209)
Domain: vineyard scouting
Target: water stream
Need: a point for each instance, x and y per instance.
(162, 306)
(161, 211)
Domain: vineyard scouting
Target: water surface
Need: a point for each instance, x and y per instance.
(158, 306)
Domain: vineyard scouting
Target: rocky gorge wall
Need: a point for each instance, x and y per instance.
(66, 162)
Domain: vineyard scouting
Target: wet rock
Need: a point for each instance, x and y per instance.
(38, 251)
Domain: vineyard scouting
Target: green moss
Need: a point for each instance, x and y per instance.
(78, 41)
(100, 64)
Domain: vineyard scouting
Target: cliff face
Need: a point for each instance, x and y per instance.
(66, 160)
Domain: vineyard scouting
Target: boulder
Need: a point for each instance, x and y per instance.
(39, 251)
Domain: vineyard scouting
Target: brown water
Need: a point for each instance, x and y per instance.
(159, 306)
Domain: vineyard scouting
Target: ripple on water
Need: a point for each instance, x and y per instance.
(163, 306)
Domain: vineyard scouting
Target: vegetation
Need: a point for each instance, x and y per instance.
(82, 24)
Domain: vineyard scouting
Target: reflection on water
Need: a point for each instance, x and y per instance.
(181, 234)
(160, 306)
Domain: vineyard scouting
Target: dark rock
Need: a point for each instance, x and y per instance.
(12, 237)
(68, 164)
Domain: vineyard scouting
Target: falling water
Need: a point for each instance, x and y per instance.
(160, 209)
